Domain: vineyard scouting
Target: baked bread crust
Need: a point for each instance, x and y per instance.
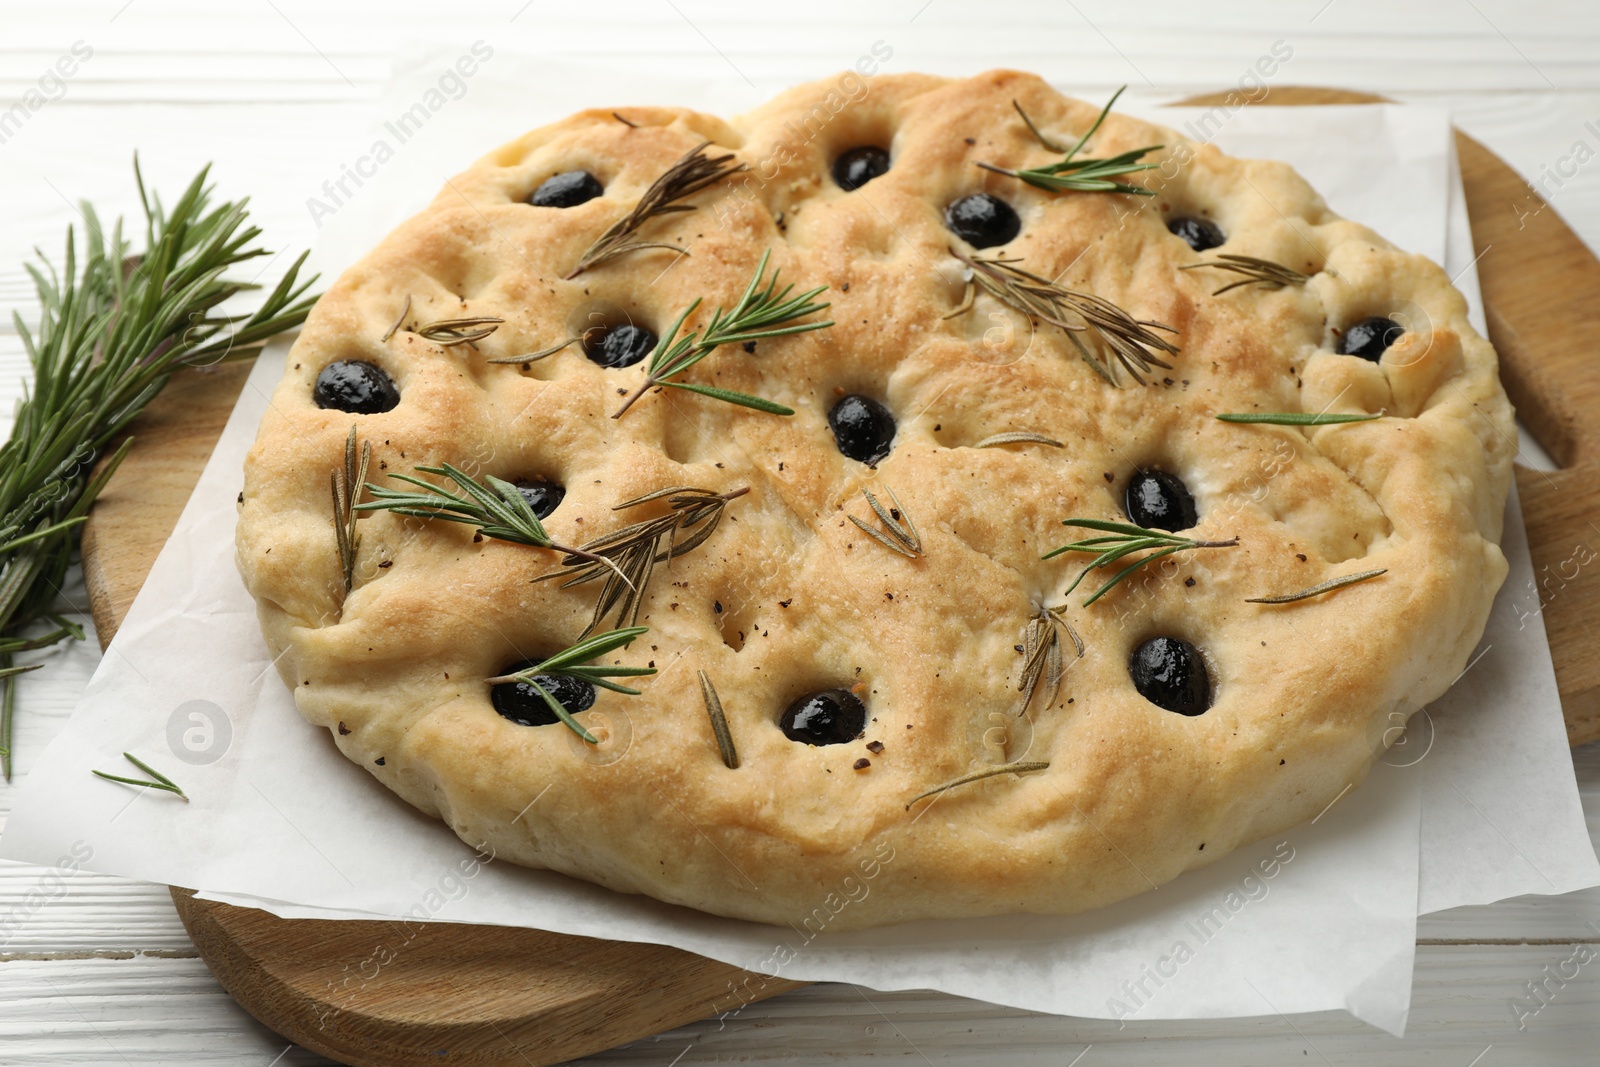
(789, 597)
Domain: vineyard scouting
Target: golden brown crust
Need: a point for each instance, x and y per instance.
(1305, 694)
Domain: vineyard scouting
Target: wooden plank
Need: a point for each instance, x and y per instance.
(52, 914)
(289, 50)
(164, 1011)
(137, 1011)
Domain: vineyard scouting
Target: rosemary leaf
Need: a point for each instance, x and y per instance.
(693, 172)
(1124, 539)
(1082, 175)
(562, 713)
(761, 312)
(1317, 590)
(978, 776)
(570, 662)
(1129, 569)
(590, 647)
(43, 533)
(151, 771)
(1295, 418)
(11, 672)
(8, 701)
(745, 400)
(1054, 146)
(1262, 272)
(1018, 437)
(115, 323)
(719, 723)
(405, 310)
(1131, 342)
(157, 779)
(901, 533)
(534, 357)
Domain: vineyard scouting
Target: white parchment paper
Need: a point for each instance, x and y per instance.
(1478, 803)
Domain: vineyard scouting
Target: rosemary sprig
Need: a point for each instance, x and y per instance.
(1130, 341)
(346, 485)
(978, 776)
(495, 506)
(158, 780)
(447, 333)
(632, 552)
(1041, 655)
(719, 723)
(692, 172)
(901, 533)
(570, 662)
(115, 325)
(1262, 272)
(1124, 539)
(1317, 590)
(759, 313)
(1294, 418)
(1082, 175)
(1018, 437)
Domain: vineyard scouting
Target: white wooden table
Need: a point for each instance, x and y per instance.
(97, 970)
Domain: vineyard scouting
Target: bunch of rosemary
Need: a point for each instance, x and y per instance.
(114, 326)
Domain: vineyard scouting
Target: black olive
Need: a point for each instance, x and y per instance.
(1201, 234)
(1170, 673)
(830, 717)
(858, 166)
(982, 221)
(1157, 500)
(1369, 338)
(542, 497)
(618, 346)
(522, 704)
(355, 386)
(568, 189)
(863, 428)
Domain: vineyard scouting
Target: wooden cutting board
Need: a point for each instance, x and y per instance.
(392, 994)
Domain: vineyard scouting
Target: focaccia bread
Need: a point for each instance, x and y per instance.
(863, 660)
